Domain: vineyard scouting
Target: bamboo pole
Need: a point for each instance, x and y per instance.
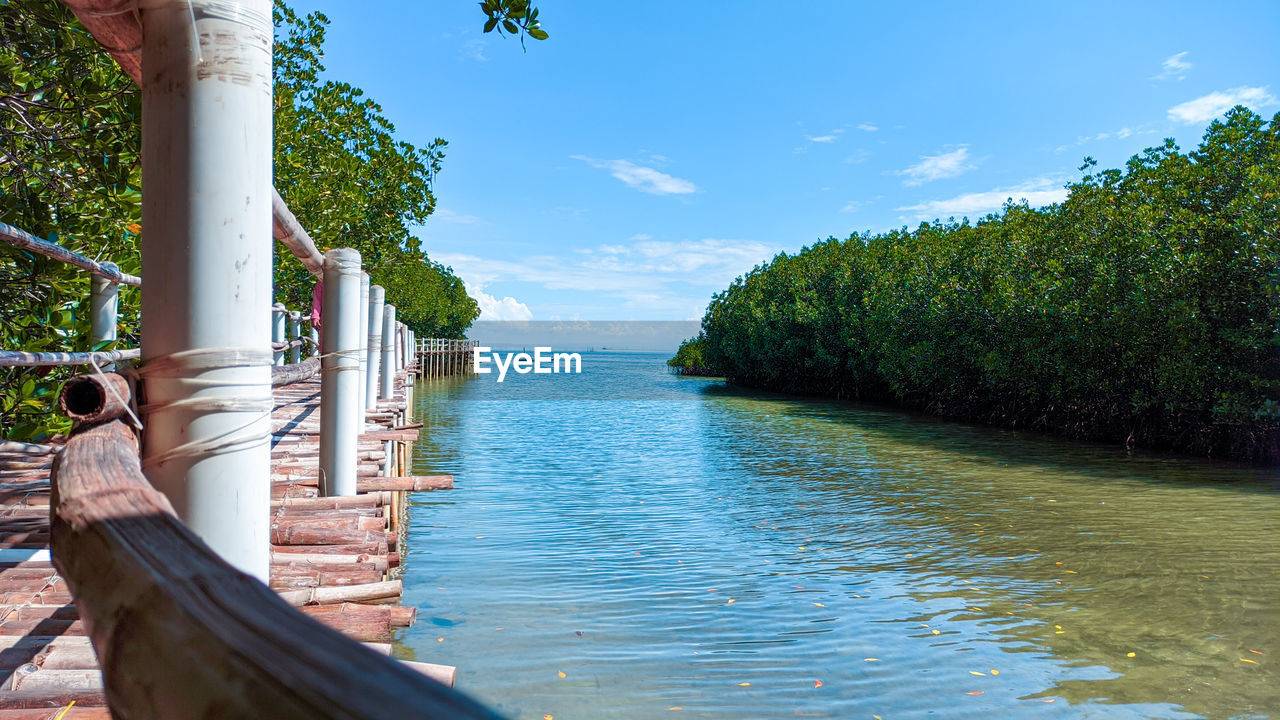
(22, 239)
(104, 297)
(386, 391)
(362, 387)
(340, 372)
(377, 300)
(206, 323)
(279, 315)
(295, 334)
(19, 358)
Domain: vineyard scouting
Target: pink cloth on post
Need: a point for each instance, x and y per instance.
(317, 301)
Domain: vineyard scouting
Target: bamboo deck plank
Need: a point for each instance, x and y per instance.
(333, 558)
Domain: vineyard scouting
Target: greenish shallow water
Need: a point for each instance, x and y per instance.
(662, 541)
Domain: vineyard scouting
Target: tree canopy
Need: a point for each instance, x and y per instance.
(1144, 309)
(70, 138)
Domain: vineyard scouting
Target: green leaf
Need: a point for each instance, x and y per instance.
(490, 24)
(511, 27)
(538, 34)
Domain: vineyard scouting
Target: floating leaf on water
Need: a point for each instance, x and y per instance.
(1073, 572)
(974, 692)
(1059, 632)
(744, 684)
(1132, 654)
(439, 639)
(560, 674)
(801, 547)
(979, 674)
(819, 605)
(731, 601)
(870, 659)
(1048, 700)
(937, 632)
(1256, 652)
(675, 707)
(1251, 662)
(546, 716)
(817, 683)
(995, 672)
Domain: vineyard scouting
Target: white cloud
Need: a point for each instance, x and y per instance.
(1037, 192)
(491, 308)
(858, 156)
(643, 273)
(1203, 109)
(824, 138)
(449, 216)
(867, 127)
(854, 206)
(473, 49)
(644, 179)
(1173, 67)
(938, 167)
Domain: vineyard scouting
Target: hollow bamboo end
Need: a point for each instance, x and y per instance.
(93, 398)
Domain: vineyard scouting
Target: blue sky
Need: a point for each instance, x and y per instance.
(650, 152)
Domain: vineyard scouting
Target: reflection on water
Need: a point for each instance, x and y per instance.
(678, 548)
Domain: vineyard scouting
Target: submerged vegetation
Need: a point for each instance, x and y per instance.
(1143, 309)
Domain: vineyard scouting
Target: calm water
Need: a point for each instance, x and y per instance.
(665, 541)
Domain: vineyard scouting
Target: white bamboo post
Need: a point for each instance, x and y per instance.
(339, 372)
(364, 350)
(377, 298)
(315, 340)
(387, 388)
(295, 334)
(104, 303)
(206, 318)
(278, 316)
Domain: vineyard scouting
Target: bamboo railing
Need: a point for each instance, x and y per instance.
(22, 239)
(444, 357)
(116, 27)
(180, 633)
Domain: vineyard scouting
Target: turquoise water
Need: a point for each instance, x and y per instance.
(678, 548)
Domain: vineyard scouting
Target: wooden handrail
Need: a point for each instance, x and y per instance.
(114, 24)
(294, 372)
(183, 635)
(286, 228)
(19, 238)
(21, 358)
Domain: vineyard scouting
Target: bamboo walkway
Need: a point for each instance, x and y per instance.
(333, 558)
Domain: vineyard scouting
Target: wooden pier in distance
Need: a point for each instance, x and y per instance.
(334, 558)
